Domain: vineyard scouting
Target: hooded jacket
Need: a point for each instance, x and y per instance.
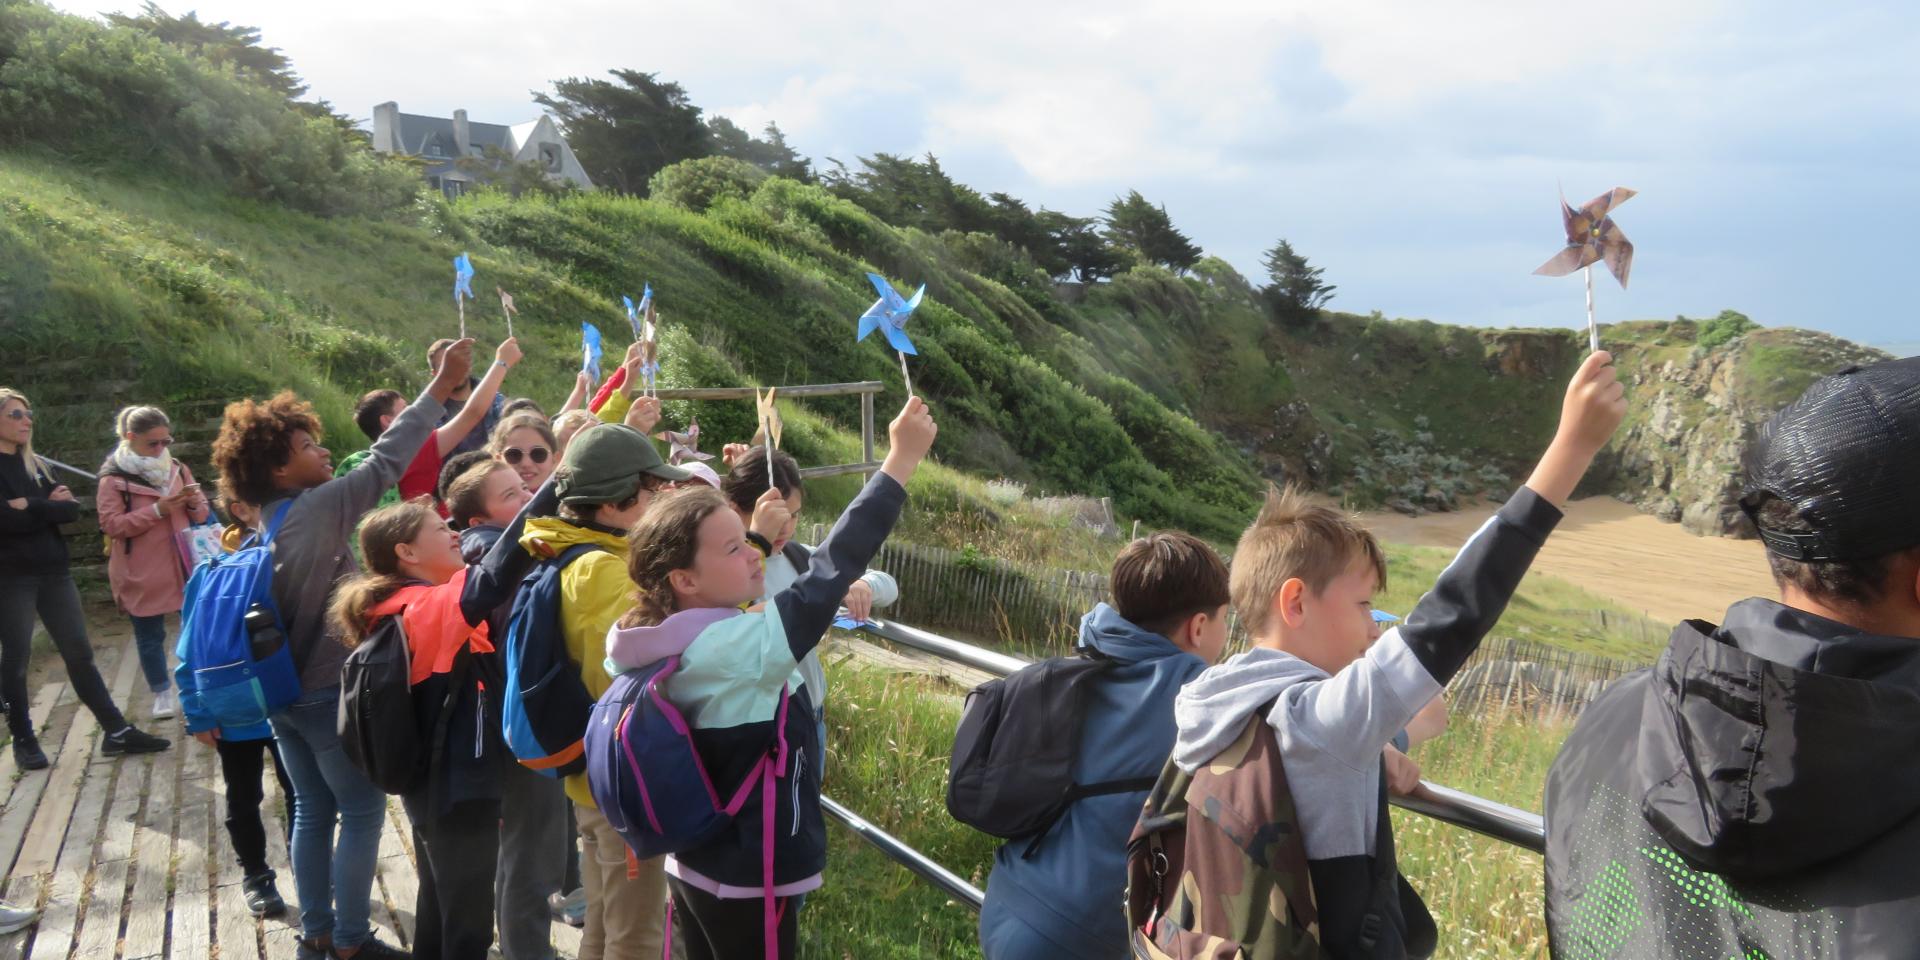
(1332, 728)
(442, 619)
(594, 594)
(1753, 794)
(146, 565)
(1071, 890)
(733, 666)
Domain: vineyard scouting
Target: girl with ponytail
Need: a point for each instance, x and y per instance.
(414, 571)
(695, 569)
(146, 501)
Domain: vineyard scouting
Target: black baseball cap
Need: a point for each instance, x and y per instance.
(1846, 457)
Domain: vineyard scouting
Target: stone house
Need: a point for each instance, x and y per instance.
(443, 141)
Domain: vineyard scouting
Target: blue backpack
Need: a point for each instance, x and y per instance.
(647, 778)
(232, 641)
(545, 708)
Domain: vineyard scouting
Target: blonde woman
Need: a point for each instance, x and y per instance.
(146, 501)
(35, 581)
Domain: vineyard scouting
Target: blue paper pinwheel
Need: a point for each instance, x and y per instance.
(462, 287)
(590, 351)
(889, 316)
(462, 277)
(633, 315)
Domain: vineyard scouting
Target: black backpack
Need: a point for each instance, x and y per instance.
(378, 725)
(1011, 774)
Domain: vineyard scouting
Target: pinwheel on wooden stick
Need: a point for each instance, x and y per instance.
(1593, 237)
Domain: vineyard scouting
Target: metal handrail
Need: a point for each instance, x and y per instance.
(926, 869)
(1497, 820)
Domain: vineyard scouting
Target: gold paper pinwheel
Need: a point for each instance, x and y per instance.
(1592, 237)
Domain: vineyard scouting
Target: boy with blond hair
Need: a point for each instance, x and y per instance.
(1333, 691)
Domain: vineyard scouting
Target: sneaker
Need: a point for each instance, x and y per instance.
(373, 949)
(131, 740)
(14, 919)
(27, 754)
(166, 704)
(262, 899)
(312, 950)
(570, 908)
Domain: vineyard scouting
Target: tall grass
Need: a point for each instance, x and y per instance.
(889, 737)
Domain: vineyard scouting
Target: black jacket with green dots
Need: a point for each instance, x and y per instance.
(1756, 794)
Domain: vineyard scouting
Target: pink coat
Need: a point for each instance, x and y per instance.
(151, 578)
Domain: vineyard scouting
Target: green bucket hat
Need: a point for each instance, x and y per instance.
(603, 465)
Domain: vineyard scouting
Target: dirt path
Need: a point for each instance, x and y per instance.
(1612, 549)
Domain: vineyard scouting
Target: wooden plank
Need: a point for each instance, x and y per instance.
(77, 831)
(397, 872)
(106, 903)
(236, 932)
(190, 932)
(24, 891)
(26, 789)
(49, 825)
(812, 473)
(100, 928)
(747, 393)
(146, 934)
(278, 940)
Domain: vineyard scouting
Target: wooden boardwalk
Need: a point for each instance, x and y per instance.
(128, 857)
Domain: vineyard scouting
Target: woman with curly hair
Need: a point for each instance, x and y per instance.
(269, 454)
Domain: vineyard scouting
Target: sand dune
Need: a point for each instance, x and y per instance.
(1620, 553)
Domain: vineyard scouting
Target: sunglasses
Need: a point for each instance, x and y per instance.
(162, 442)
(19, 413)
(513, 455)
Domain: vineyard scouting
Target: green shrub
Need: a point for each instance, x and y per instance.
(1723, 328)
(114, 95)
(695, 184)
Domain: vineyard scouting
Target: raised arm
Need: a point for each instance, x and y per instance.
(808, 606)
(360, 489)
(578, 396)
(505, 358)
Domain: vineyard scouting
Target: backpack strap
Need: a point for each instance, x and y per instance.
(1386, 875)
(265, 537)
(1078, 792)
(457, 677)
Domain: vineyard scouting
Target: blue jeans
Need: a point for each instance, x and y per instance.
(150, 637)
(327, 785)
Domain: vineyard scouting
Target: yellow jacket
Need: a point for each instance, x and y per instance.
(594, 594)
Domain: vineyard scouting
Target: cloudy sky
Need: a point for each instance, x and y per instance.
(1413, 149)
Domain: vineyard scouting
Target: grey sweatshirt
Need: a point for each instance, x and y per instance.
(1331, 729)
(310, 553)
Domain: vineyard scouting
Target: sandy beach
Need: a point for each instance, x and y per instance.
(1612, 549)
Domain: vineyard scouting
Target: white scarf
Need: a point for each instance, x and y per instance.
(156, 471)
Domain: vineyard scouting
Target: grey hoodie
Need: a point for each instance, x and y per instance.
(1331, 729)
(310, 553)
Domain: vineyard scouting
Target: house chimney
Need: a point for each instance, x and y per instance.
(386, 128)
(460, 138)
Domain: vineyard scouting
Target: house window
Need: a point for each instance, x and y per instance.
(436, 183)
(550, 155)
(433, 149)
